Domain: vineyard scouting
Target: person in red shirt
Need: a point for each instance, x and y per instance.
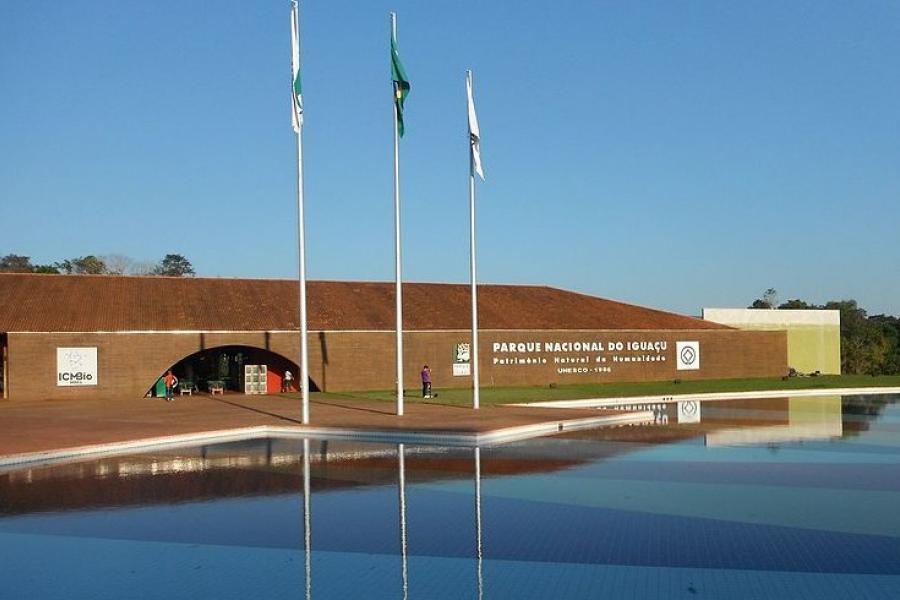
(171, 382)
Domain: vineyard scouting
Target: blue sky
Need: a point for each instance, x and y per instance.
(676, 155)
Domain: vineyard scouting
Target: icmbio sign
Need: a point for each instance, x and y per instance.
(76, 367)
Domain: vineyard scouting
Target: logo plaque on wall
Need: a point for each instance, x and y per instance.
(687, 356)
(462, 360)
(76, 367)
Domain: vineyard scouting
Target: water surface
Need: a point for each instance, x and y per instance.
(780, 498)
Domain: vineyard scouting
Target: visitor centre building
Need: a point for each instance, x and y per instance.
(79, 337)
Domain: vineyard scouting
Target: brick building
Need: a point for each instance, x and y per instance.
(70, 337)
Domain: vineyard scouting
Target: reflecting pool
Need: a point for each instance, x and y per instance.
(777, 498)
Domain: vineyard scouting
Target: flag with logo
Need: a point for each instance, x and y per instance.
(474, 133)
(296, 90)
(401, 83)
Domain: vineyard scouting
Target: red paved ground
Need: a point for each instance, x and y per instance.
(51, 425)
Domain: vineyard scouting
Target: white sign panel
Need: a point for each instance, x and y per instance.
(687, 356)
(689, 411)
(462, 369)
(76, 366)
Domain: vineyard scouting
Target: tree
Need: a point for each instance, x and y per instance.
(51, 269)
(869, 345)
(797, 304)
(143, 267)
(864, 345)
(890, 326)
(83, 265)
(769, 300)
(174, 265)
(14, 263)
(117, 264)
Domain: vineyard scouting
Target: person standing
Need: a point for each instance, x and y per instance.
(426, 382)
(286, 382)
(171, 382)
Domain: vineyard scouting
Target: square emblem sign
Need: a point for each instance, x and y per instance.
(462, 357)
(76, 366)
(462, 353)
(687, 356)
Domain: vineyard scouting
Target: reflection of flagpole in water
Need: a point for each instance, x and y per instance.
(478, 552)
(307, 539)
(401, 457)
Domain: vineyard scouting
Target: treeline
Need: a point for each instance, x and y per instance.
(172, 265)
(870, 344)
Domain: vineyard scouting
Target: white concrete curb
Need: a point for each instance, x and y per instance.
(613, 402)
(497, 436)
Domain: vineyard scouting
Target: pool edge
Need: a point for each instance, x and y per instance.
(625, 400)
(444, 438)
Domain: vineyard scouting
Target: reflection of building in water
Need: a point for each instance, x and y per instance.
(269, 467)
(661, 410)
(687, 411)
(817, 418)
(743, 422)
(256, 468)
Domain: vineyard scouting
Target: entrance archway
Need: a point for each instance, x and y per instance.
(225, 368)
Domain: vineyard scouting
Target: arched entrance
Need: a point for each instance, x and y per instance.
(234, 369)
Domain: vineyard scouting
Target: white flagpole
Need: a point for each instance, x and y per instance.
(474, 352)
(301, 235)
(399, 294)
(304, 342)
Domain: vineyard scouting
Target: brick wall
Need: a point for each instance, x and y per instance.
(129, 363)
(368, 363)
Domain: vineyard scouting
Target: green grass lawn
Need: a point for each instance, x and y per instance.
(505, 395)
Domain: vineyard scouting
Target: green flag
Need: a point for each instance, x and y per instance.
(401, 83)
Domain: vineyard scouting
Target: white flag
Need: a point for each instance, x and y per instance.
(474, 134)
(296, 94)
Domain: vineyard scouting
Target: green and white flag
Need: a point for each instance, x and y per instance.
(401, 83)
(474, 133)
(296, 93)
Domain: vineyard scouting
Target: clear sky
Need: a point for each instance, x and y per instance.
(671, 154)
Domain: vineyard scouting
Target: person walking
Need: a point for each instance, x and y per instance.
(426, 382)
(286, 382)
(171, 382)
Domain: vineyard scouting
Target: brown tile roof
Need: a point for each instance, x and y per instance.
(32, 302)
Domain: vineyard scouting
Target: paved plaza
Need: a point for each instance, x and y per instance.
(55, 425)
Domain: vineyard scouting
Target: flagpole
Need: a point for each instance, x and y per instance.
(304, 345)
(301, 236)
(399, 293)
(474, 352)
